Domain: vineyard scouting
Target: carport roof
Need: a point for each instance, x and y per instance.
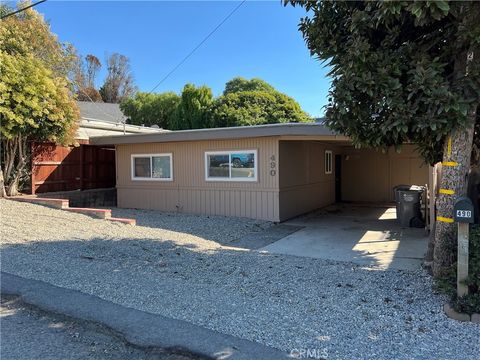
(284, 129)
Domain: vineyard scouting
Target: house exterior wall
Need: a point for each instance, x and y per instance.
(303, 184)
(291, 178)
(189, 192)
(369, 175)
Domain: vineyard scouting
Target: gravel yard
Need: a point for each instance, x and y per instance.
(182, 266)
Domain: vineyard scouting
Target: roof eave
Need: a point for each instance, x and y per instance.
(310, 129)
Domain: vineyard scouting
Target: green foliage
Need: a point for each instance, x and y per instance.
(244, 102)
(254, 102)
(239, 84)
(193, 109)
(33, 103)
(36, 100)
(27, 32)
(392, 68)
(151, 109)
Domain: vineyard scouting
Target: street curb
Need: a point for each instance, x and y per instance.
(137, 327)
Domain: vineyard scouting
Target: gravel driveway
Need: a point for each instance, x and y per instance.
(339, 310)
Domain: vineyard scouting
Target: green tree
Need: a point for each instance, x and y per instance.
(36, 100)
(404, 71)
(239, 84)
(151, 109)
(254, 102)
(193, 110)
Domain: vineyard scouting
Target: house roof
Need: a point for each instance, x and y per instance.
(283, 129)
(95, 128)
(101, 112)
(103, 119)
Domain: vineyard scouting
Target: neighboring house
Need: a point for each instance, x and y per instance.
(101, 119)
(59, 168)
(269, 172)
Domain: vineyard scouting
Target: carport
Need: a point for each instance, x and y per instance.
(354, 190)
(365, 234)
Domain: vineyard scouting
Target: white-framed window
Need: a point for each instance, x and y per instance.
(235, 165)
(328, 161)
(152, 167)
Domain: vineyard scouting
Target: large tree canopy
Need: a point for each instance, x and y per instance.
(36, 100)
(405, 71)
(151, 109)
(254, 102)
(393, 69)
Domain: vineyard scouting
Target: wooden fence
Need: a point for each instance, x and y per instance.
(59, 168)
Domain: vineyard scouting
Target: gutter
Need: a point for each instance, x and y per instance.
(90, 123)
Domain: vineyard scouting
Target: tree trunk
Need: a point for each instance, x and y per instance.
(455, 168)
(12, 187)
(10, 149)
(456, 165)
(2, 185)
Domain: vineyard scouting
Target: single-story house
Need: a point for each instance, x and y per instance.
(270, 172)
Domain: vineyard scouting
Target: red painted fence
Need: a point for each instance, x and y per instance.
(59, 168)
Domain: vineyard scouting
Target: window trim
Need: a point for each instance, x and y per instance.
(136, 178)
(330, 153)
(230, 179)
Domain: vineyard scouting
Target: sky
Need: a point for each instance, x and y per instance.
(261, 39)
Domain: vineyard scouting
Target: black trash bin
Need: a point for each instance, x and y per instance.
(396, 193)
(408, 199)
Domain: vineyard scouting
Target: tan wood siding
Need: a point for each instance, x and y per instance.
(190, 192)
(303, 184)
(369, 175)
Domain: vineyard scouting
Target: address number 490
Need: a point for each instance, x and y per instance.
(464, 213)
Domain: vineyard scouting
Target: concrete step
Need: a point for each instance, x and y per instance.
(64, 205)
(56, 203)
(132, 222)
(99, 213)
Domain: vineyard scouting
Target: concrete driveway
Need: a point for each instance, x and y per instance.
(362, 234)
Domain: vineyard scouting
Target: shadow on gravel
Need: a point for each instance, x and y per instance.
(227, 231)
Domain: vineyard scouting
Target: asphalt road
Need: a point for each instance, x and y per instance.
(29, 334)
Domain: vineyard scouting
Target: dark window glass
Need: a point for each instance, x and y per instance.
(142, 167)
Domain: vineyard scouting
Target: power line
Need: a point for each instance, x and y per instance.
(199, 44)
(22, 9)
